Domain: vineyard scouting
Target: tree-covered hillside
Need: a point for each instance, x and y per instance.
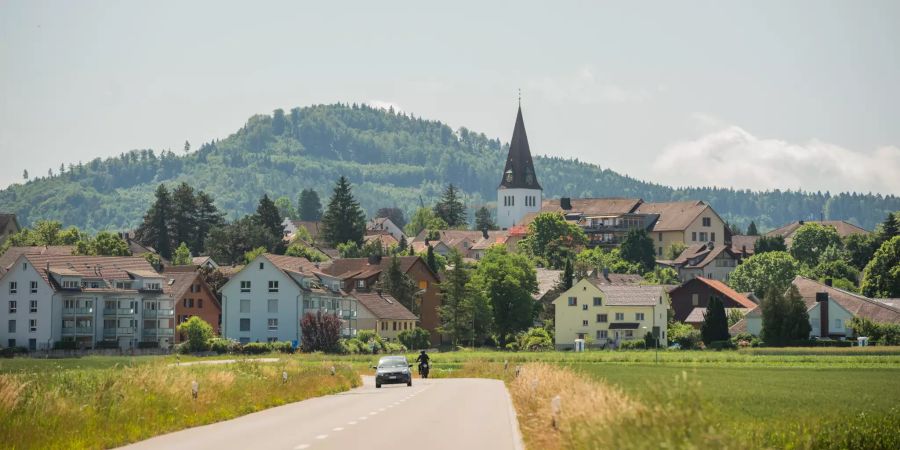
(392, 160)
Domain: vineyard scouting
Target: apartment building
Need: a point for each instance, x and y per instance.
(92, 301)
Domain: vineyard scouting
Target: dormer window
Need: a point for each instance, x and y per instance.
(152, 286)
(123, 285)
(70, 284)
(360, 283)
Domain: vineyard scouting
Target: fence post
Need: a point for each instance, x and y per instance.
(555, 409)
(195, 389)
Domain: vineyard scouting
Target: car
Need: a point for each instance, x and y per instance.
(392, 370)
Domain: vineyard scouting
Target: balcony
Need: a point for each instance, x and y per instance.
(161, 332)
(163, 313)
(118, 312)
(78, 311)
(119, 331)
(77, 330)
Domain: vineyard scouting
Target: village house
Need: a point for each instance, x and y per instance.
(605, 221)
(384, 225)
(704, 260)
(12, 254)
(311, 227)
(842, 227)
(205, 262)
(88, 300)
(608, 314)
(362, 275)
(380, 312)
(470, 244)
(690, 299)
(688, 223)
(829, 308)
(266, 300)
(193, 297)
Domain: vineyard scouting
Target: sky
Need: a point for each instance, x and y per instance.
(758, 95)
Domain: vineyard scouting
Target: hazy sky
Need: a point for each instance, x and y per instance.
(781, 94)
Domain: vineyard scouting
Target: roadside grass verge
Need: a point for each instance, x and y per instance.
(102, 407)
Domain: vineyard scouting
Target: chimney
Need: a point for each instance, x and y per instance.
(606, 273)
(374, 260)
(743, 251)
(822, 300)
(565, 203)
(484, 233)
(828, 282)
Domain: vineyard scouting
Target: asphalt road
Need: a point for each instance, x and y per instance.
(432, 414)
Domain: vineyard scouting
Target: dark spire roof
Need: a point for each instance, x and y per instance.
(518, 162)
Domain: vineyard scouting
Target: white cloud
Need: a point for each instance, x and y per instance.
(584, 87)
(732, 157)
(382, 104)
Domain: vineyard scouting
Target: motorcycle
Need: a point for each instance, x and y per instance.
(423, 370)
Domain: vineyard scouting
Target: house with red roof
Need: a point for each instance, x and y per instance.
(691, 298)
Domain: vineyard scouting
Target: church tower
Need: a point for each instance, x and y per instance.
(519, 192)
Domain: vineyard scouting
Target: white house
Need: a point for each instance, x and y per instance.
(382, 225)
(519, 192)
(266, 300)
(86, 299)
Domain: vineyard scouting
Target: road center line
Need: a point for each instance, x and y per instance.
(322, 436)
(301, 446)
(337, 429)
(352, 422)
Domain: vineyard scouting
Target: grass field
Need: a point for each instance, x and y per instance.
(754, 398)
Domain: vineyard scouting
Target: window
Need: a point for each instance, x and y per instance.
(694, 236)
(32, 306)
(245, 286)
(12, 307)
(261, 266)
(423, 284)
(32, 325)
(13, 287)
(620, 316)
(245, 324)
(360, 283)
(34, 287)
(384, 326)
(395, 325)
(703, 236)
(598, 301)
(24, 266)
(601, 318)
(838, 324)
(273, 286)
(245, 306)
(639, 316)
(12, 326)
(70, 284)
(190, 303)
(273, 324)
(11, 343)
(629, 333)
(273, 306)
(199, 302)
(152, 286)
(601, 334)
(573, 301)
(584, 323)
(707, 222)
(660, 237)
(695, 299)
(123, 285)
(584, 307)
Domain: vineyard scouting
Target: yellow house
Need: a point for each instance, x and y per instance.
(690, 222)
(380, 312)
(604, 314)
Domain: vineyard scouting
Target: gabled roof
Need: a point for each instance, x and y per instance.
(856, 304)
(383, 306)
(293, 264)
(722, 289)
(700, 255)
(94, 267)
(630, 294)
(673, 216)
(843, 228)
(357, 265)
(179, 282)
(13, 253)
(386, 239)
(740, 241)
(547, 279)
(612, 206)
(518, 160)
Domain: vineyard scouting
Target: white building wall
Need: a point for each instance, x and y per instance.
(22, 273)
(509, 215)
(289, 299)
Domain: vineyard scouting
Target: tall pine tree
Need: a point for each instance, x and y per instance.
(268, 216)
(715, 322)
(154, 231)
(183, 223)
(397, 283)
(208, 217)
(751, 229)
(450, 208)
(456, 310)
(344, 221)
(310, 207)
(484, 220)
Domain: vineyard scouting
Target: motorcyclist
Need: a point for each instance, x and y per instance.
(423, 359)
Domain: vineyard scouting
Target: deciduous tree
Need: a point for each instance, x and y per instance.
(762, 271)
(881, 278)
(638, 248)
(810, 240)
(551, 240)
(508, 280)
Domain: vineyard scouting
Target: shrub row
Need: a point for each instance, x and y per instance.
(222, 346)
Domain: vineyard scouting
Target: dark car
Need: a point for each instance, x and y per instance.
(392, 370)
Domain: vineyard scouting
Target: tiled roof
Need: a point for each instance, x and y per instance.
(180, 282)
(593, 206)
(598, 278)
(547, 279)
(292, 263)
(698, 314)
(13, 253)
(723, 289)
(345, 265)
(844, 229)
(383, 306)
(856, 304)
(701, 255)
(673, 216)
(739, 241)
(630, 294)
(386, 239)
(103, 267)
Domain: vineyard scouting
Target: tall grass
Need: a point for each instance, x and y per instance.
(101, 408)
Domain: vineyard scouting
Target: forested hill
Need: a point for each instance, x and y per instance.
(392, 159)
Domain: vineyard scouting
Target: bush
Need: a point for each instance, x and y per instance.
(684, 335)
(392, 347)
(106, 344)
(9, 352)
(64, 345)
(283, 347)
(221, 345)
(636, 344)
(721, 345)
(415, 339)
(147, 344)
(534, 340)
(321, 332)
(198, 332)
(256, 348)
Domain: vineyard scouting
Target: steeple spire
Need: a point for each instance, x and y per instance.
(519, 170)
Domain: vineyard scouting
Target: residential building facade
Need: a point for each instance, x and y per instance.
(704, 260)
(693, 297)
(608, 314)
(380, 312)
(193, 297)
(384, 225)
(91, 301)
(688, 223)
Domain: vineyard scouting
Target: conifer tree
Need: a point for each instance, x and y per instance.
(309, 205)
(154, 231)
(267, 215)
(456, 310)
(568, 275)
(751, 229)
(484, 220)
(183, 220)
(397, 283)
(715, 322)
(343, 221)
(430, 260)
(208, 217)
(450, 208)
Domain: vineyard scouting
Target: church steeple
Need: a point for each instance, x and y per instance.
(519, 171)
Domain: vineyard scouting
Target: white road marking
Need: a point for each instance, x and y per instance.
(372, 413)
(352, 422)
(321, 436)
(337, 429)
(301, 446)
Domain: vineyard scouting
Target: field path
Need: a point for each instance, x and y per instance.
(432, 414)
